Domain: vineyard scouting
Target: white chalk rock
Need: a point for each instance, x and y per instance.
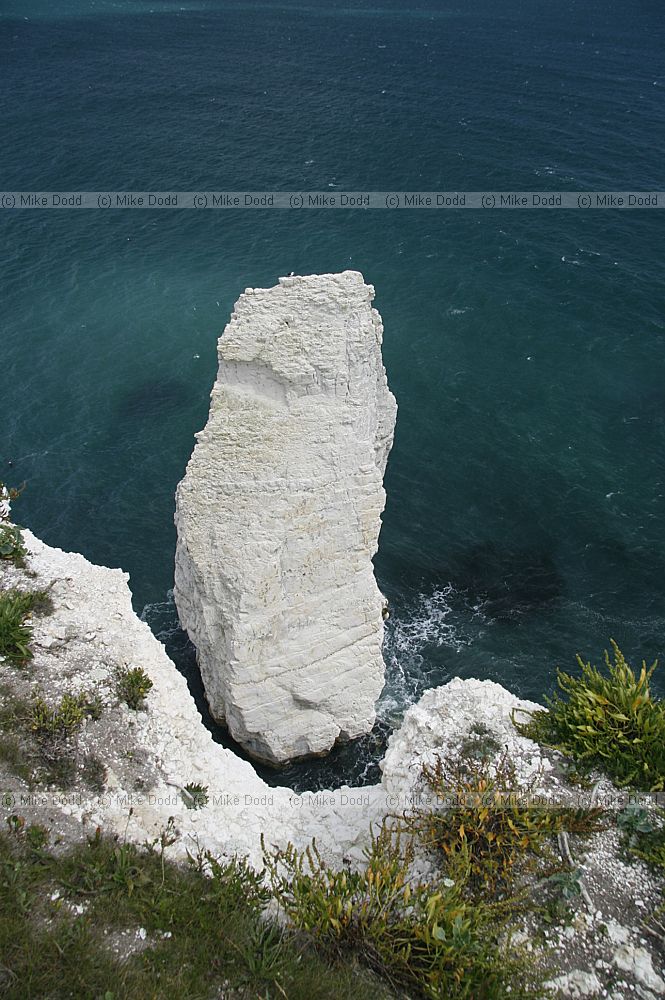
(278, 518)
(577, 983)
(442, 723)
(638, 962)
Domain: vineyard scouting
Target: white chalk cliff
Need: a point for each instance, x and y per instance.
(278, 518)
(150, 756)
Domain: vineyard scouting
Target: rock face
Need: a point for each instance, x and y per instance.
(278, 518)
(150, 756)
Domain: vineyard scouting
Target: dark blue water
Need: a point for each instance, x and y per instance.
(525, 519)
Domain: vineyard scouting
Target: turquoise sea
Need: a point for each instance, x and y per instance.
(526, 488)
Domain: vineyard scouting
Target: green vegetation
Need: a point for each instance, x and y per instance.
(480, 743)
(55, 729)
(195, 795)
(644, 837)
(561, 888)
(15, 636)
(11, 545)
(644, 834)
(632, 822)
(195, 931)
(440, 937)
(491, 826)
(607, 721)
(38, 742)
(11, 539)
(610, 721)
(650, 845)
(14, 753)
(112, 920)
(421, 936)
(63, 720)
(132, 685)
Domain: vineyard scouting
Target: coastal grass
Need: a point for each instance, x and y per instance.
(16, 606)
(607, 720)
(115, 921)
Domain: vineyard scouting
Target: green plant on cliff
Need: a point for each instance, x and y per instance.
(12, 547)
(186, 931)
(132, 685)
(15, 636)
(421, 936)
(62, 720)
(607, 720)
(195, 795)
(54, 729)
(489, 821)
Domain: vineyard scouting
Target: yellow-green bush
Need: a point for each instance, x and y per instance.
(607, 720)
(132, 685)
(487, 820)
(423, 936)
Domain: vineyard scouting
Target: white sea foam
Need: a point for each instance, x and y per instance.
(162, 617)
(414, 638)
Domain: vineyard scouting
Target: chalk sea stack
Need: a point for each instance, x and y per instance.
(278, 518)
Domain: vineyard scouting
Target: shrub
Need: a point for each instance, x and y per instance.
(132, 685)
(421, 936)
(64, 720)
(55, 729)
(486, 820)
(611, 722)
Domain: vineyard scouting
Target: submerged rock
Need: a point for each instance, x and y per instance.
(278, 518)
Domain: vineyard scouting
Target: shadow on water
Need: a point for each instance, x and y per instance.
(505, 580)
(508, 581)
(154, 398)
